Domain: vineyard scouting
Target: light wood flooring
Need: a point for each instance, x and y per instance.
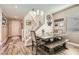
(16, 47)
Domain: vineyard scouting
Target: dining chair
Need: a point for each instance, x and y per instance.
(34, 42)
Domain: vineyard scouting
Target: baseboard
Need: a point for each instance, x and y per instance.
(74, 44)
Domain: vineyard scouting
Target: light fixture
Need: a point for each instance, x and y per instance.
(33, 13)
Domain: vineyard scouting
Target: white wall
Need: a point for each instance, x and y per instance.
(0, 25)
(74, 37)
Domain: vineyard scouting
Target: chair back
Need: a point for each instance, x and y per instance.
(34, 42)
(33, 36)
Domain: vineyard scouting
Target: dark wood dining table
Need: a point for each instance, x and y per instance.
(51, 47)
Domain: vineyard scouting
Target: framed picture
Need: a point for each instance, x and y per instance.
(72, 24)
(28, 22)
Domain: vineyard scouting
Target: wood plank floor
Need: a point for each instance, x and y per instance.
(16, 47)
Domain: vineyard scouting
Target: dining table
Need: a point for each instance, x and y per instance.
(50, 46)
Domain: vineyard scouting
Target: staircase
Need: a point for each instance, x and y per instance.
(28, 41)
(37, 21)
(40, 24)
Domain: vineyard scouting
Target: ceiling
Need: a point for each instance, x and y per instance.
(20, 10)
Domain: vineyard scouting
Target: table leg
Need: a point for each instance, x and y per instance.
(64, 45)
(51, 51)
